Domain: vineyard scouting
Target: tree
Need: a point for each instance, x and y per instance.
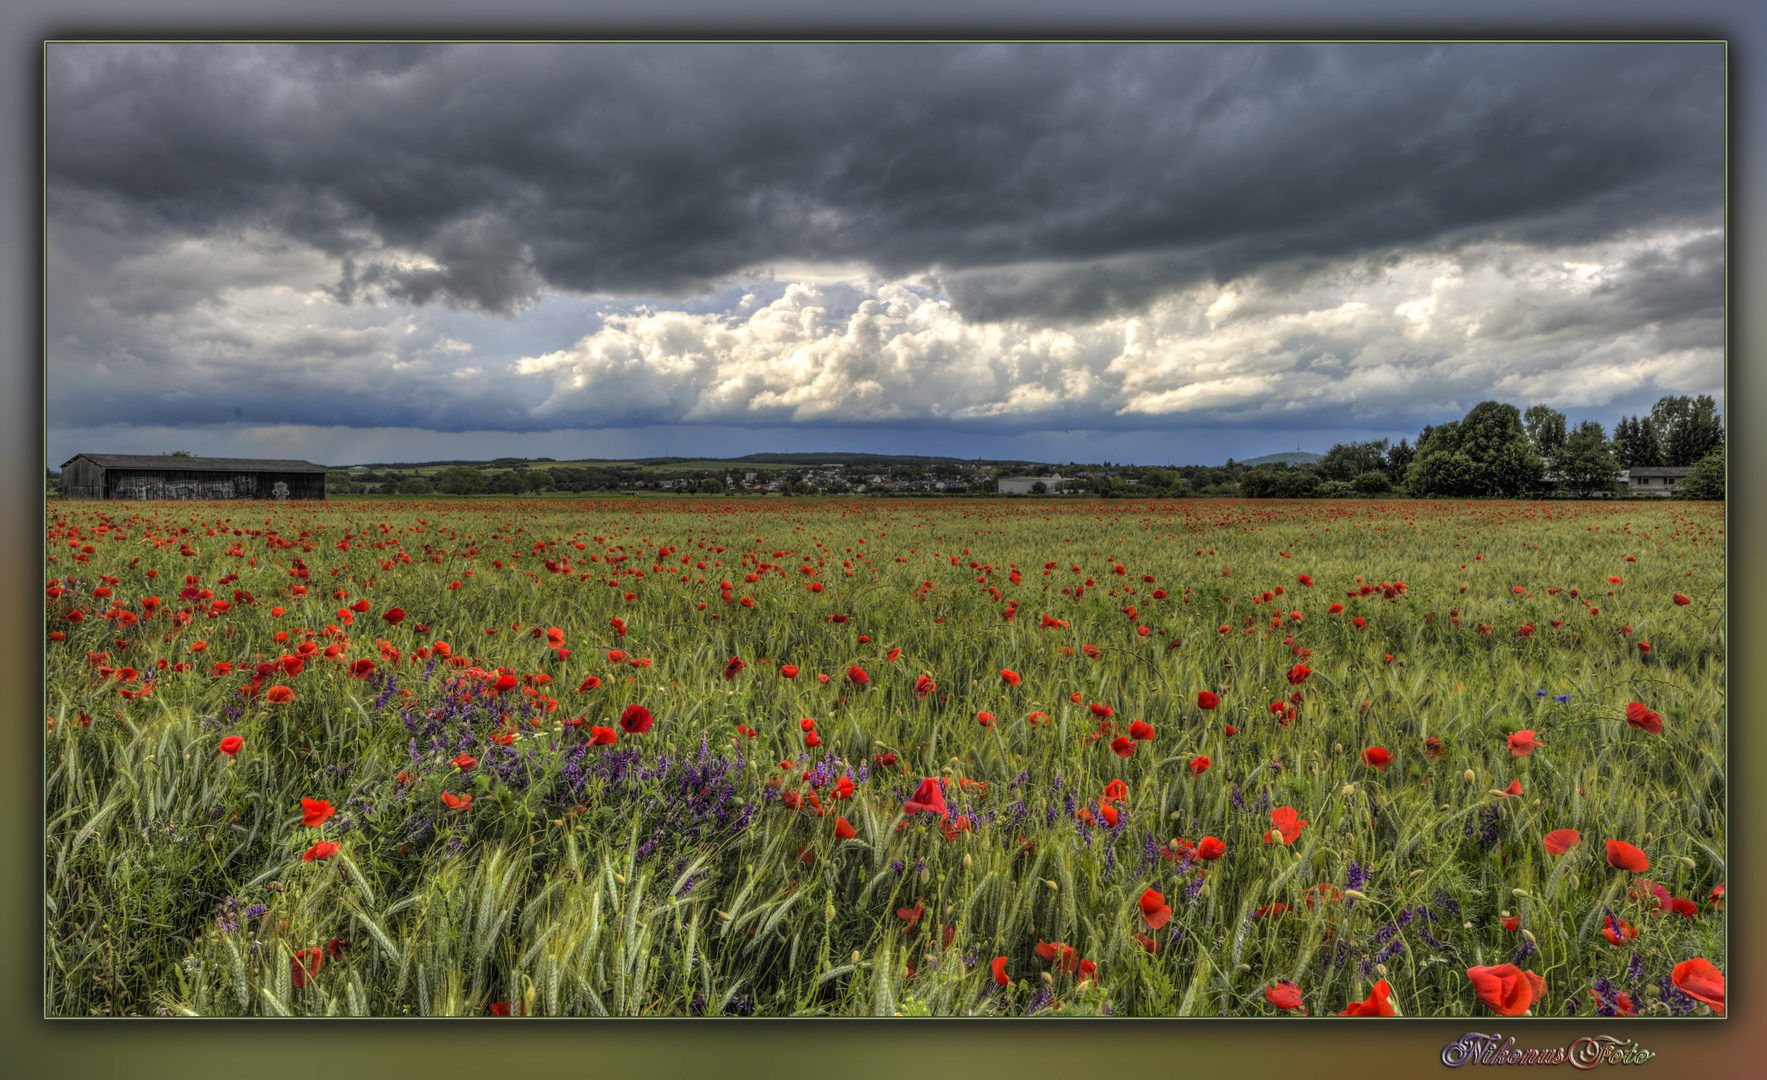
(1706, 481)
(1398, 460)
(461, 480)
(507, 482)
(711, 485)
(415, 485)
(1487, 453)
(1346, 461)
(1690, 428)
(1585, 462)
(537, 479)
(1546, 430)
(1636, 443)
(1372, 482)
(1039, 488)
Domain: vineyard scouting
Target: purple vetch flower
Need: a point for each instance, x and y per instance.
(1526, 950)
(1635, 970)
(1239, 799)
(897, 865)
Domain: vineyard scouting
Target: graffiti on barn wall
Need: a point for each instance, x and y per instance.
(154, 487)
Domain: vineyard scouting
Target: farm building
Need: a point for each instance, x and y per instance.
(152, 476)
(1654, 479)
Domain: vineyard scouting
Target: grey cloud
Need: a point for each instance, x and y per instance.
(1055, 182)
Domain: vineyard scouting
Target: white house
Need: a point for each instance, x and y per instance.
(1656, 480)
(1021, 485)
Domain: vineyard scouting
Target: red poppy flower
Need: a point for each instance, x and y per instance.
(1513, 923)
(501, 1008)
(1559, 841)
(1009, 677)
(602, 736)
(1231, 731)
(812, 739)
(1088, 972)
(844, 829)
(1522, 743)
(1617, 933)
(789, 671)
(1155, 909)
(505, 682)
(1114, 791)
(1377, 1003)
(1298, 674)
(1654, 897)
(1208, 849)
(1643, 719)
(1682, 601)
(336, 947)
(316, 811)
(588, 684)
(1506, 989)
(1684, 907)
(464, 762)
(1103, 712)
(731, 669)
(842, 789)
(1700, 979)
(929, 796)
(986, 719)
(884, 761)
(857, 675)
(1716, 899)
(279, 695)
(1199, 765)
(324, 849)
(1624, 856)
(394, 617)
(636, 720)
(1207, 700)
(1514, 788)
(911, 915)
(1150, 944)
(1433, 748)
(1377, 757)
(1285, 995)
(453, 802)
(231, 744)
(1048, 950)
(999, 967)
(1287, 829)
(1123, 746)
(304, 966)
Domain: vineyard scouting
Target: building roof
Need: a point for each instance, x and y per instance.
(1659, 470)
(196, 464)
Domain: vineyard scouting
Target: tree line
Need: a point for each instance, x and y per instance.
(1497, 451)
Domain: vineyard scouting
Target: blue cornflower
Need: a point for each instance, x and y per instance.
(1539, 693)
(1562, 698)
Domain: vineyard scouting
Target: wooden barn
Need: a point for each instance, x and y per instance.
(153, 476)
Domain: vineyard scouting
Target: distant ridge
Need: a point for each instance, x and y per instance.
(1291, 457)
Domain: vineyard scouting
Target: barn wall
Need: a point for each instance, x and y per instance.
(157, 484)
(82, 479)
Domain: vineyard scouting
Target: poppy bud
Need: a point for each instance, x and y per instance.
(1518, 892)
(967, 861)
(1687, 862)
(1052, 886)
(1469, 776)
(1337, 748)
(1529, 935)
(1048, 979)
(1355, 895)
(1382, 969)
(1349, 790)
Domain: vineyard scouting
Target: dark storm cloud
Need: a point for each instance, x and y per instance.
(1056, 181)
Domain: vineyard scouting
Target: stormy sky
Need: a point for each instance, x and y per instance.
(1143, 253)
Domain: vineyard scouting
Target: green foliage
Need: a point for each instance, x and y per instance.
(1546, 430)
(1372, 482)
(1706, 481)
(460, 480)
(1586, 464)
(1485, 454)
(1346, 461)
(1690, 428)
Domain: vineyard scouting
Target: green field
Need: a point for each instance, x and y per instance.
(1195, 758)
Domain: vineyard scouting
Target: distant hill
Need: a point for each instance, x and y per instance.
(1291, 457)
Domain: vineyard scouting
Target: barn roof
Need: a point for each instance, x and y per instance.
(1659, 470)
(196, 464)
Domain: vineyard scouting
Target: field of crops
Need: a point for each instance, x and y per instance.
(798, 757)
